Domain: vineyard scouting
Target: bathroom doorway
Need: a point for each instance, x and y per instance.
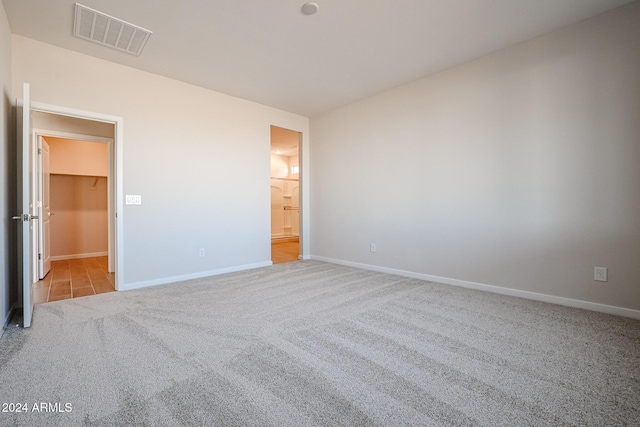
(285, 195)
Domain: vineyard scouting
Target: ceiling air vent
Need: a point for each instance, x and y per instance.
(109, 31)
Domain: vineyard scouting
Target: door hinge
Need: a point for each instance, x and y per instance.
(39, 256)
(39, 150)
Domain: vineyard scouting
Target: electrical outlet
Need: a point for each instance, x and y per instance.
(372, 248)
(600, 274)
(201, 252)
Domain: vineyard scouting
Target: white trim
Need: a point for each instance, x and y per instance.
(304, 212)
(304, 227)
(43, 133)
(586, 305)
(118, 143)
(71, 135)
(173, 279)
(79, 256)
(72, 112)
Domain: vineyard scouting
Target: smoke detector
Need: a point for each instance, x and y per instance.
(108, 31)
(310, 8)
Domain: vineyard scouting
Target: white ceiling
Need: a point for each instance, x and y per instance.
(269, 52)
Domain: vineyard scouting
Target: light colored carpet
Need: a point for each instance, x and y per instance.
(311, 344)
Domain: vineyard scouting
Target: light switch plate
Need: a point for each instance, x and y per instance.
(133, 199)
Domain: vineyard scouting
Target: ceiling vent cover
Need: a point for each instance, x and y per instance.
(108, 31)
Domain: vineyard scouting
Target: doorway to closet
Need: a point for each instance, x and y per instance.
(74, 193)
(285, 195)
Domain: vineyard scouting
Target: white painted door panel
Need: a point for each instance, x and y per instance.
(27, 215)
(45, 209)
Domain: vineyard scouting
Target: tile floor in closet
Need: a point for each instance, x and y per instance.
(284, 252)
(89, 276)
(74, 278)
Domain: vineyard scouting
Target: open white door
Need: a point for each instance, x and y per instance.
(26, 205)
(44, 211)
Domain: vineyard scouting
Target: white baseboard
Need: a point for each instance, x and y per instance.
(78, 256)
(199, 275)
(593, 306)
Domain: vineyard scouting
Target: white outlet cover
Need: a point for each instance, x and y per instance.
(600, 274)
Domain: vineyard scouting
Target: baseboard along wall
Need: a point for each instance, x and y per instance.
(587, 305)
(199, 275)
(78, 256)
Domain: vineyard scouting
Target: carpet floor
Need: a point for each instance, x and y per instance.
(315, 344)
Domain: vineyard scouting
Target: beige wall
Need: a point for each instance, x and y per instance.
(8, 208)
(181, 145)
(279, 166)
(79, 223)
(518, 170)
(72, 157)
(79, 226)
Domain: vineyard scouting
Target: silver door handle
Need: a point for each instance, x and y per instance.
(24, 217)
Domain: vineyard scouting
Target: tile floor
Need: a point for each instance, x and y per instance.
(74, 278)
(89, 276)
(284, 252)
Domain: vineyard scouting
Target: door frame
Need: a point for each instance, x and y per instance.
(42, 239)
(303, 189)
(111, 227)
(26, 212)
(116, 156)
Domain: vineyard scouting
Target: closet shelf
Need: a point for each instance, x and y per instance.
(77, 174)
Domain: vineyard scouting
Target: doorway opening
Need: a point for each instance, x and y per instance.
(27, 191)
(74, 188)
(285, 195)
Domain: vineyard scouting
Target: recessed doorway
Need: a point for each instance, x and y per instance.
(75, 192)
(285, 195)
